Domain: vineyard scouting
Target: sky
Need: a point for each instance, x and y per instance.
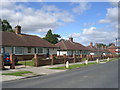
(86, 22)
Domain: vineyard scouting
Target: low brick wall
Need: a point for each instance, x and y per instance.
(40, 60)
(1, 62)
(24, 57)
(78, 59)
(45, 62)
(71, 60)
(58, 61)
(27, 57)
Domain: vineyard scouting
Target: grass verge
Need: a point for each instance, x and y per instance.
(17, 73)
(73, 66)
(111, 59)
(81, 65)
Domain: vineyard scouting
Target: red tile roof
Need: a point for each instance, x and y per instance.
(12, 39)
(112, 47)
(68, 45)
(94, 49)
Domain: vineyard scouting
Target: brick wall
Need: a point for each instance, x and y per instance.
(1, 62)
(27, 57)
(40, 60)
(24, 57)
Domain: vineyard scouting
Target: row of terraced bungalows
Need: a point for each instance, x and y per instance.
(24, 44)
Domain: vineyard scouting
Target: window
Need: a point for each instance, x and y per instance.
(40, 50)
(0, 50)
(18, 50)
(35, 51)
(12, 50)
(29, 50)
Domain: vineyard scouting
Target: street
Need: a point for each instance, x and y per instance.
(103, 75)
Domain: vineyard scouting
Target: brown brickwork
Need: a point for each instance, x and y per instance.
(74, 56)
(52, 59)
(36, 60)
(1, 62)
(12, 60)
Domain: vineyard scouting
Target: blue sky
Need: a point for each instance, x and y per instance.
(86, 22)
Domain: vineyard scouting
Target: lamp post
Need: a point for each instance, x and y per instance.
(116, 41)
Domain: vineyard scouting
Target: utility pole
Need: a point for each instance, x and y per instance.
(116, 41)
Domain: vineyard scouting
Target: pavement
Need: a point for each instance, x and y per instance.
(104, 75)
(37, 71)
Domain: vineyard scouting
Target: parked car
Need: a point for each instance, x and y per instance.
(6, 57)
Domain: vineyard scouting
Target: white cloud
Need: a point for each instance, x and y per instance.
(35, 20)
(111, 16)
(95, 35)
(75, 35)
(89, 31)
(82, 7)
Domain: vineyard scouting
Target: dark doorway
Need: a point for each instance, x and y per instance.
(48, 52)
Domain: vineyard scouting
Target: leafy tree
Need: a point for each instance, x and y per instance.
(101, 44)
(52, 38)
(0, 25)
(5, 26)
(111, 44)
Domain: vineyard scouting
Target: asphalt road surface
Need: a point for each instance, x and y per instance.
(94, 76)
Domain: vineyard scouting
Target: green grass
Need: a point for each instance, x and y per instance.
(27, 63)
(73, 66)
(17, 73)
(111, 59)
(83, 59)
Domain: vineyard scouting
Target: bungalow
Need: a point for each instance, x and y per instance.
(69, 48)
(22, 44)
(95, 50)
(114, 49)
(118, 50)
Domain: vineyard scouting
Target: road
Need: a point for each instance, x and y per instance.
(94, 76)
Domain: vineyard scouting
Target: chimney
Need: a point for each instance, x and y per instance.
(71, 39)
(96, 45)
(18, 29)
(102, 47)
(91, 44)
(113, 44)
(105, 47)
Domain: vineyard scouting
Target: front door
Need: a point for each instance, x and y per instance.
(48, 52)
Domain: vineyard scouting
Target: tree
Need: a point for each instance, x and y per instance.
(0, 25)
(5, 26)
(111, 44)
(52, 38)
(101, 44)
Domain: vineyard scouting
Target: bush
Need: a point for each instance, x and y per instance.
(83, 59)
(54, 57)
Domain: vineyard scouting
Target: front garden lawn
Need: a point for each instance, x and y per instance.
(27, 63)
